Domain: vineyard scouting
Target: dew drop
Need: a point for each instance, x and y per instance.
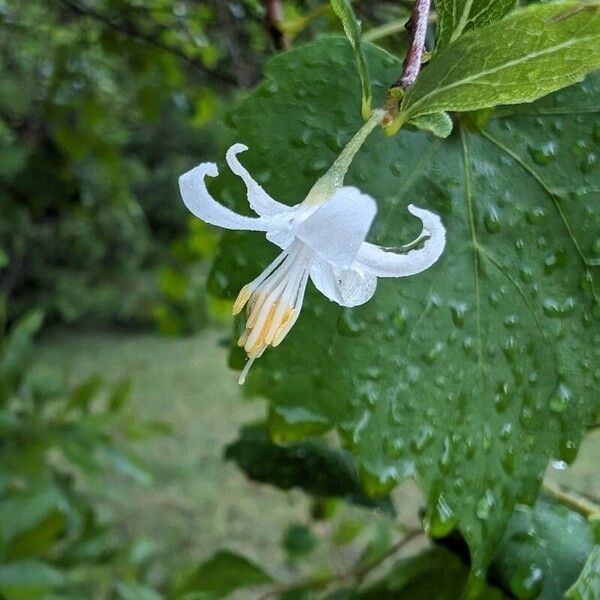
(303, 139)
(555, 309)
(380, 483)
(491, 220)
(396, 167)
(422, 440)
(349, 325)
(535, 215)
(508, 461)
(527, 582)
(444, 460)
(561, 399)
(441, 518)
(544, 154)
(587, 164)
(431, 356)
(393, 447)
(567, 450)
(458, 312)
(485, 505)
(555, 260)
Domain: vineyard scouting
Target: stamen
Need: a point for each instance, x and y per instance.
(273, 302)
(241, 300)
(244, 373)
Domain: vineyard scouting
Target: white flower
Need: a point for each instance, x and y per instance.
(322, 238)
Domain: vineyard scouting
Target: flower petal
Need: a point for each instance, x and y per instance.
(387, 263)
(347, 287)
(259, 200)
(336, 230)
(204, 206)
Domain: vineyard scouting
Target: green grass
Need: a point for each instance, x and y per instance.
(198, 503)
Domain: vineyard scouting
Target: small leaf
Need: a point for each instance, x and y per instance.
(3, 259)
(28, 580)
(130, 590)
(587, 586)
(299, 540)
(440, 124)
(530, 53)
(119, 394)
(222, 574)
(352, 29)
(39, 539)
(144, 430)
(458, 16)
(543, 551)
(83, 394)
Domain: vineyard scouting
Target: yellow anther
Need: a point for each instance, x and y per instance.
(241, 300)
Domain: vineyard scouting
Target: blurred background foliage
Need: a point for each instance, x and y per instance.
(103, 103)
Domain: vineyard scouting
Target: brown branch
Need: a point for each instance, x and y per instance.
(274, 19)
(574, 501)
(237, 44)
(130, 30)
(417, 28)
(354, 575)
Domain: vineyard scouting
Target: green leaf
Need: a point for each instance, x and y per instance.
(299, 540)
(16, 351)
(120, 394)
(308, 465)
(457, 16)
(543, 551)
(28, 580)
(587, 586)
(130, 590)
(83, 395)
(222, 574)
(471, 375)
(31, 520)
(440, 124)
(3, 259)
(532, 52)
(434, 573)
(39, 539)
(352, 29)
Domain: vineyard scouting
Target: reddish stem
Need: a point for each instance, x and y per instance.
(417, 27)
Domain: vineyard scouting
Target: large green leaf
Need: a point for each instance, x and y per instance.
(543, 551)
(533, 51)
(471, 375)
(456, 16)
(587, 586)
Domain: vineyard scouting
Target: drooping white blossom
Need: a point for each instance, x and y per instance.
(323, 239)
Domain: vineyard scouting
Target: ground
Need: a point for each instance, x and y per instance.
(198, 503)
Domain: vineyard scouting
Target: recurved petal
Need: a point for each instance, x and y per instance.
(336, 230)
(346, 287)
(204, 206)
(385, 262)
(259, 200)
